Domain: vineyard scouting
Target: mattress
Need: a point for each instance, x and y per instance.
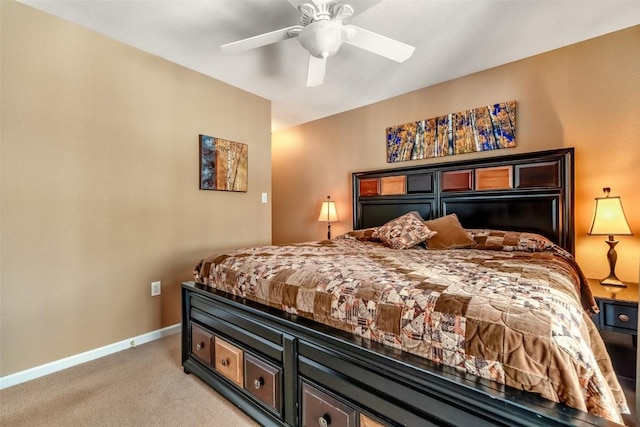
(514, 309)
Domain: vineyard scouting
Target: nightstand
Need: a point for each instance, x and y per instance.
(617, 320)
(618, 308)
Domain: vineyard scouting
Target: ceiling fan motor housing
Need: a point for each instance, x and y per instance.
(323, 38)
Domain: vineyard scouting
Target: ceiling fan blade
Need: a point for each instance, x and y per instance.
(380, 45)
(315, 73)
(259, 40)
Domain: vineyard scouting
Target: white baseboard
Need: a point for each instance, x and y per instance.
(67, 362)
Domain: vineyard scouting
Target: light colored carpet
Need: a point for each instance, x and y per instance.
(142, 386)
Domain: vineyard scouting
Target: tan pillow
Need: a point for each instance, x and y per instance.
(364, 235)
(450, 235)
(404, 232)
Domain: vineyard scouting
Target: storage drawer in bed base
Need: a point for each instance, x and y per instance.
(228, 363)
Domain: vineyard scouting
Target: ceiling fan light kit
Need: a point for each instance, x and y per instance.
(322, 33)
(323, 38)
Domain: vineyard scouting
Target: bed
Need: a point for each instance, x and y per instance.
(497, 309)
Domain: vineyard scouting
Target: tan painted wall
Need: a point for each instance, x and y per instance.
(100, 186)
(585, 96)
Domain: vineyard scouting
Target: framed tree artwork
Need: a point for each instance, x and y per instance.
(490, 127)
(223, 164)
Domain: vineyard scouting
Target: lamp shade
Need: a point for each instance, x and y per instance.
(328, 212)
(608, 218)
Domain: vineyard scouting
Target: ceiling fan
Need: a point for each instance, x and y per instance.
(322, 32)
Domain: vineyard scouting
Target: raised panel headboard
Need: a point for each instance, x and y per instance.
(524, 192)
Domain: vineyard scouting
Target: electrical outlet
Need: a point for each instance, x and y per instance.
(156, 288)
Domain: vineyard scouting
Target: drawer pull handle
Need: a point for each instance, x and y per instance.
(224, 362)
(258, 382)
(200, 346)
(324, 420)
(623, 318)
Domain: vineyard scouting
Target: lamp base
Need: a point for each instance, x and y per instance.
(612, 256)
(613, 281)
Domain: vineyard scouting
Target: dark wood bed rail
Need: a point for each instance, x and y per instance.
(530, 192)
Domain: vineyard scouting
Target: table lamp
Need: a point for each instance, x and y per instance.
(609, 219)
(328, 214)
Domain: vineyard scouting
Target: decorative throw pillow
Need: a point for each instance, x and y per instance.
(450, 235)
(404, 232)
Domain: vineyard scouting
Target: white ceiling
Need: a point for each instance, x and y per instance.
(453, 38)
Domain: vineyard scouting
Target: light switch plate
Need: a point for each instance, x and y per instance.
(156, 288)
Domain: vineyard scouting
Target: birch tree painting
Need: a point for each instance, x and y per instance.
(491, 127)
(223, 164)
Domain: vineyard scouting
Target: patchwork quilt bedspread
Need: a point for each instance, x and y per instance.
(513, 313)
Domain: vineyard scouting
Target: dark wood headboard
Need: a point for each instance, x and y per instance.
(524, 192)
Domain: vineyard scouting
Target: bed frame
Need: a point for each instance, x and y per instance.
(287, 371)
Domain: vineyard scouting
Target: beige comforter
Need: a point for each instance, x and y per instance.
(513, 313)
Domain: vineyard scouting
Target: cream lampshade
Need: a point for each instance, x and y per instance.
(328, 214)
(609, 219)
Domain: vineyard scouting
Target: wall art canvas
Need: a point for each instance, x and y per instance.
(490, 127)
(223, 164)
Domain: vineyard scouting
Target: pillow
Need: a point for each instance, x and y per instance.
(511, 241)
(450, 235)
(364, 235)
(404, 232)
